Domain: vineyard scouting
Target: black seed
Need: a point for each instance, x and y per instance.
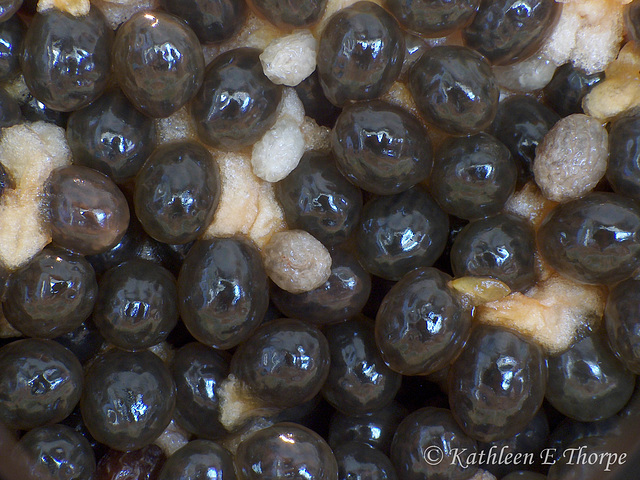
(158, 62)
(111, 136)
(212, 20)
(421, 325)
(137, 305)
(52, 295)
(177, 192)
(501, 247)
(358, 381)
(237, 103)
(284, 363)
(12, 33)
(290, 13)
(360, 53)
(128, 399)
(66, 62)
(497, 384)
(88, 212)
(223, 291)
(473, 176)
(40, 382)
(508, 31)
(58, 450)
(587, 382)
(401, 232)
(454, 89)
(433, 18)
(318, 199)
(594, 239)
(381, 147)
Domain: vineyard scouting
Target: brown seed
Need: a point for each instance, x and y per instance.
(88, 213)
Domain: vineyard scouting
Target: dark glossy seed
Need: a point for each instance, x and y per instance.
(88, 212)
(284, 363)
(594, 239)
(360, 53)
(497, 384)
(568, 87)
(358, 381)
(142, 464)
(622, 317)
(128, 399)
(137, 305)
(66, 62)
(316, 104)
(341, 297)
(8, 8)
(501, 247)
(60, 452)
(177, 192)
(40, 383)
(401, 232)
(12, 34)
(286, 14)
(360, 461)
(6, 181)
(52, 295)
(237, 102)
(529, 441)
(429, 445)
(199, 460)
(286, 450)
(433, 18)
(318, 199)
(84, 342)
(473, 176)
(223, 291)
(587, 382)
(508, 31)
(521, 123)
(623, 170)
(158, 61)
(111, 136)
(10, 113)
(381, 147)
(198, 371)
(34, 110)
(211, 20)
(454, 89)
(137, 244)
(421, 324)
